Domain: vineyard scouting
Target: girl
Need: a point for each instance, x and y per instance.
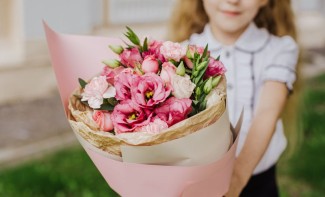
(255, 39)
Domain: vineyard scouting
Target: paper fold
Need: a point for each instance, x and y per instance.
(202, 147)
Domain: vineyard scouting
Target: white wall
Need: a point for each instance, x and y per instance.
(67, 16)
(139, 11)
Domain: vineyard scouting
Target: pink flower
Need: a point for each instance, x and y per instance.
(167, 71)
(96, 90)
(103, 120)
(131, 57)
(154, 49)
(123, 84)
(154, 127)
(171, 50)
(127, 117)
(149, 90)
(174, 110)
(110, 73)
(191, 49)
(215, 68)
(150, 64)
(188, 62)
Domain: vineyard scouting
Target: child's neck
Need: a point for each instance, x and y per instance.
(227, 38)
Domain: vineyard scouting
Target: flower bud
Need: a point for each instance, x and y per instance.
(215, 81)
(112, 63)
(195, 73)
(150, 64)
(118, 49)
(198, 91)
(208, 86)
(202, 65)
(189, 52)
(180, 69)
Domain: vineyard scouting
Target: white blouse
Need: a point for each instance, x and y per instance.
(257, 56)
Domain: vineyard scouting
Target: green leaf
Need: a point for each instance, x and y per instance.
(145, 45)
(132, 36)
(82, 83)
(203, 105)
(112, 101)
(201, 73)
(106, 106)
(202, 65)
(205, 52)
(188, 71)
(218, 58)
(174, 62)
(195, 102)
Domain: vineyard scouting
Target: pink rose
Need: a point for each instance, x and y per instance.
(168, 69)
(110, 73)
(127, 117)
(131, 57)
(174, 110)
(148, 90)
(154, 127)
(96, 90)
(215, 68)
(171, 50)
(150, 64)
(123, 84)
(103, 120)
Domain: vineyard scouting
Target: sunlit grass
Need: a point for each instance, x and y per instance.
(303, 174)
(67, 173)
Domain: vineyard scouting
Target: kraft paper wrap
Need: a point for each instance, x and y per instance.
(74, 56)
(80, 120)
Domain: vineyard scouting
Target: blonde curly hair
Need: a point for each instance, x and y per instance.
(190, 17)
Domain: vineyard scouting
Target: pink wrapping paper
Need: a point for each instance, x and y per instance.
(75, 56)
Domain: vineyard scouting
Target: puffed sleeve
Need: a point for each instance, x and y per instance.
(283, 64)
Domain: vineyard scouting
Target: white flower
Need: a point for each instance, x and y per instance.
(182, 86)
(212, 98)
(96, 90)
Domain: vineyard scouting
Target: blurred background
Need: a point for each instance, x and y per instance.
(39, 155)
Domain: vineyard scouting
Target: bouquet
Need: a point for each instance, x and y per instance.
(155, 115)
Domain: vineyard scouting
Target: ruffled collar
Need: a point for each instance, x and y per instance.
(252, 40)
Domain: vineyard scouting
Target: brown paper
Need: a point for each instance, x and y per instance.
(82, 123)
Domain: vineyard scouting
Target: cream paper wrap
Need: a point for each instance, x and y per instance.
(200, 139)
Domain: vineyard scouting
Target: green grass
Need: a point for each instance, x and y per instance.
(67, 173)
(71, 173)
(304, 174)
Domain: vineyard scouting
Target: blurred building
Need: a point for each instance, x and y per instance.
(23, 50)
(21, 21)
(310, 15)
